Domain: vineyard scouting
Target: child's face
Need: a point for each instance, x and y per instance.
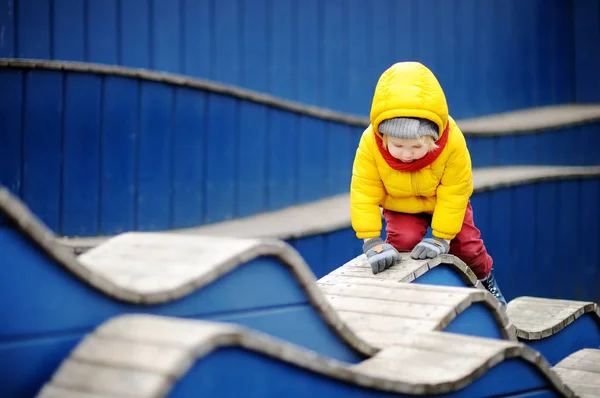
(406, 149)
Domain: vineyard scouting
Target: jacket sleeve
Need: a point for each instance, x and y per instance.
(453, 193)
(366, 193)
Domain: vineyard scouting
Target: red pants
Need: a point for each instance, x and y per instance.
(404, 231)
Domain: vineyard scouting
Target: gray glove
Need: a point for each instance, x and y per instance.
(430, 248)
(381, 255)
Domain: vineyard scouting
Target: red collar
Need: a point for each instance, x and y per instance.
(417, 164)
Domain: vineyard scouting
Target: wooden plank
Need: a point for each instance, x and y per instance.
(142, 356)
(384, 324)
(398, 294)
(51, 391)
(104, 380)
(381, 307)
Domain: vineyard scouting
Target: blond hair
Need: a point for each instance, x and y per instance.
(425, 140)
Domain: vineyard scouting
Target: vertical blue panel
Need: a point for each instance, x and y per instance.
(425, 34)
(382, 56)
(404, 29)
(335, 50)
(569, 259)
(102, 39)
(120, 115)
(547, 148)
(542, 13)
(505, 149)
(446, 71)
(308, 56)
(282, 49)
(312, 249)
(466, 55)
(251, 175)
(524, 266)
(42, 145)
(502, 219)
(255, 50)
(221, 157)
(564, 72)
(154, 163)
(166, 36)
(485, 55)
(312, 173)
(188, 155)
(566, 147)
(226, 43)
(7, 21)
(361, 84)
(81, 155)
(587, 55)
(482, 149)
(33, 30)
(341, 246)
(197, 22)
(546, 243)
(589, 218)
(526, 149)
(69, 30)
(282, 162)
(339, 160)
(134, 22)
(11, 112)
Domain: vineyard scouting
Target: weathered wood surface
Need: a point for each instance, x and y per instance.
(333, 214)
(537, 318)
(531, 120)
(146, 355)
(581, 372)
(380, 307)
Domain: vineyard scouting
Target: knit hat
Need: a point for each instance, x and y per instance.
(408, 127)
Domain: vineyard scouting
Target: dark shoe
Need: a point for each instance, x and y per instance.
(489, 282)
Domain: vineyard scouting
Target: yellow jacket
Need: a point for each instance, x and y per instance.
(409, 89)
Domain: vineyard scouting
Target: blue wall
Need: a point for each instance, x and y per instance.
(98, 154)
(490, 56)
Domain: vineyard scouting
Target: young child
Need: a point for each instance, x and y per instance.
(413, 161)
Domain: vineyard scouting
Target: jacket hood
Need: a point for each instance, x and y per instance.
(409, 89)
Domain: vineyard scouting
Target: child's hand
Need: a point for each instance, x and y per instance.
(380, 255)
(430, 248)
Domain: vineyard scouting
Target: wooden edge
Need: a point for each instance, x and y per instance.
(289, 257)
(227, 335)
(585, 308)
(505, 123)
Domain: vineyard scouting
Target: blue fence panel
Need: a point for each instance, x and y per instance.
(330, 53)
(221, 157)
(312, 151)
(101, 24)
(11, 124)
(165, 39)
(154, 168)
(81, 155)
(188, 157)
(119, 155)
(7, 21)
(282, 170)
(33, 28)
(251, 165)
(589, 219)
(586, 52)
(69, 29)
(255, 48)
(43, 145)
(134, 25)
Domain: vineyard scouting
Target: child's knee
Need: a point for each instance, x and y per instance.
(404, 240)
